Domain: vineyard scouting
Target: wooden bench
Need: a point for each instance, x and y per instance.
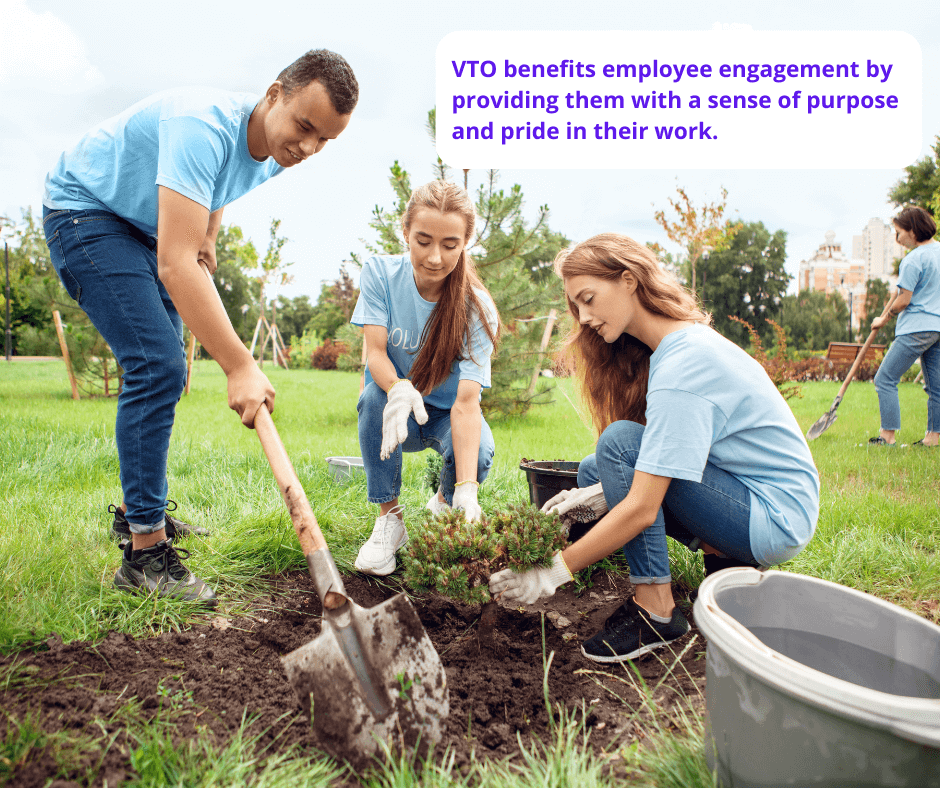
(847, 352)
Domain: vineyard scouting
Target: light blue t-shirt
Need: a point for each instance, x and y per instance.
(920, 274)
(709, 401)
(193, 141)
(389, 297)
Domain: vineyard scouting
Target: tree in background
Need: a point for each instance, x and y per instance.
(35, 292)
(273, 268)
(876, 296)
(236, 276)
(921, 185)
(511, 255)
(293, 315)
(34, 287)
(237, 258)
(335, 306)
(746, 279)
(813, 319)
(699, 231)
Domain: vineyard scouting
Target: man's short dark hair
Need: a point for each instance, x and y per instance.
(916, 221)
(330, 70)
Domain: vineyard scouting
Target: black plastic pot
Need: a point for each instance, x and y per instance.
(546, 480)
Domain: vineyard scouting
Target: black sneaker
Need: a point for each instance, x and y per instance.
(159, 569)
(630, 632)
(175, 528)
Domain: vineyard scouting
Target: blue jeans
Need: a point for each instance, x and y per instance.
(110, 268)
(383, 477)
(716, 511)
(903, 352)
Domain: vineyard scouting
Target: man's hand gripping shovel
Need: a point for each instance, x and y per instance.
(371, 677)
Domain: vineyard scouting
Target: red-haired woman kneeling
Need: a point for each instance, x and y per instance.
(695, 442)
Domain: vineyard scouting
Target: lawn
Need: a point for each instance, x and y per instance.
(878, 532)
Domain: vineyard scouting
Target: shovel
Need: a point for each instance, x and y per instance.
(372, 678)
(828, 418)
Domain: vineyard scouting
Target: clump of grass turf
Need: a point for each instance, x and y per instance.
(671, 749)
(455, 558)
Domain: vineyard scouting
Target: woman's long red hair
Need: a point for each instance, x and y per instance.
(614, 377)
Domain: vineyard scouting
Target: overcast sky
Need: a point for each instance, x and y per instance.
(66, 66)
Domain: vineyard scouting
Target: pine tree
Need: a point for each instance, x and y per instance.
(36, 291)
(512, 257)
(455, 558)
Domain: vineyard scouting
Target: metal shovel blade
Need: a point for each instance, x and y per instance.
(822, 424)
(371, 677)
(825, 421)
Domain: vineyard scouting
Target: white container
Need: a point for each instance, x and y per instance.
(344, 468)
(810, 683)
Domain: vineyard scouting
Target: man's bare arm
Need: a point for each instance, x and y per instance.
(182, 228)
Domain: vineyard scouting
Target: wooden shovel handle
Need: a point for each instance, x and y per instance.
(857, 363)
(305, 523)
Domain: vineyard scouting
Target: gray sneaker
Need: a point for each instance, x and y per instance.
(159, 569)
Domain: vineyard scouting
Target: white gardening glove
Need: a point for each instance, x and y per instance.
(529, 587)
(465, 497)
(566, 500)
(402, 401)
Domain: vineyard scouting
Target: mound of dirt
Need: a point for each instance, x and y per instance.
(208, 678)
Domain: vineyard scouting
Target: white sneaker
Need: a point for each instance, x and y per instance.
(377, 556)
(435, 505)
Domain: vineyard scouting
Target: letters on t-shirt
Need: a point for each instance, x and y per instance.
(405, 339)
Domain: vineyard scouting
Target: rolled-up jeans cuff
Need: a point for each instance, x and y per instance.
(137, 528)
(645, 581)
(380, 499)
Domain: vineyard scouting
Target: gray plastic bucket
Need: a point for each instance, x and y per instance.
(810, 683)
(344, 468)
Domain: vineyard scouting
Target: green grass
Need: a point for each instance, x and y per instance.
(878, 531)
(878, 527)
(879, 523)
(159, 761)
(60, 474)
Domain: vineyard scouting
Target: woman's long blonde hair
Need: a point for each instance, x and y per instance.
(614, 377)
(451, 321)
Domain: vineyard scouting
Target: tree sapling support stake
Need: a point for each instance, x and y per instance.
(65, 351)
(190, 355)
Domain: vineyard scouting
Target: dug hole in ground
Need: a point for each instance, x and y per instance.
(215, 673)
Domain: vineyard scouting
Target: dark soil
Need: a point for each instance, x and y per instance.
(205, 679)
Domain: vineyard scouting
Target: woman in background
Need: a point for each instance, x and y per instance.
(917, 333)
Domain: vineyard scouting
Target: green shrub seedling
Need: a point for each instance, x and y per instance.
(455, 558)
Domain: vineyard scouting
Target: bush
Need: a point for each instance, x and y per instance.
(33, 341)
(433, 469)
(300, 352)
(324, 357)
(911, 374)
(352, 338)
(781, 369)
(455, 558)
(788, 373)
(818, 368)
